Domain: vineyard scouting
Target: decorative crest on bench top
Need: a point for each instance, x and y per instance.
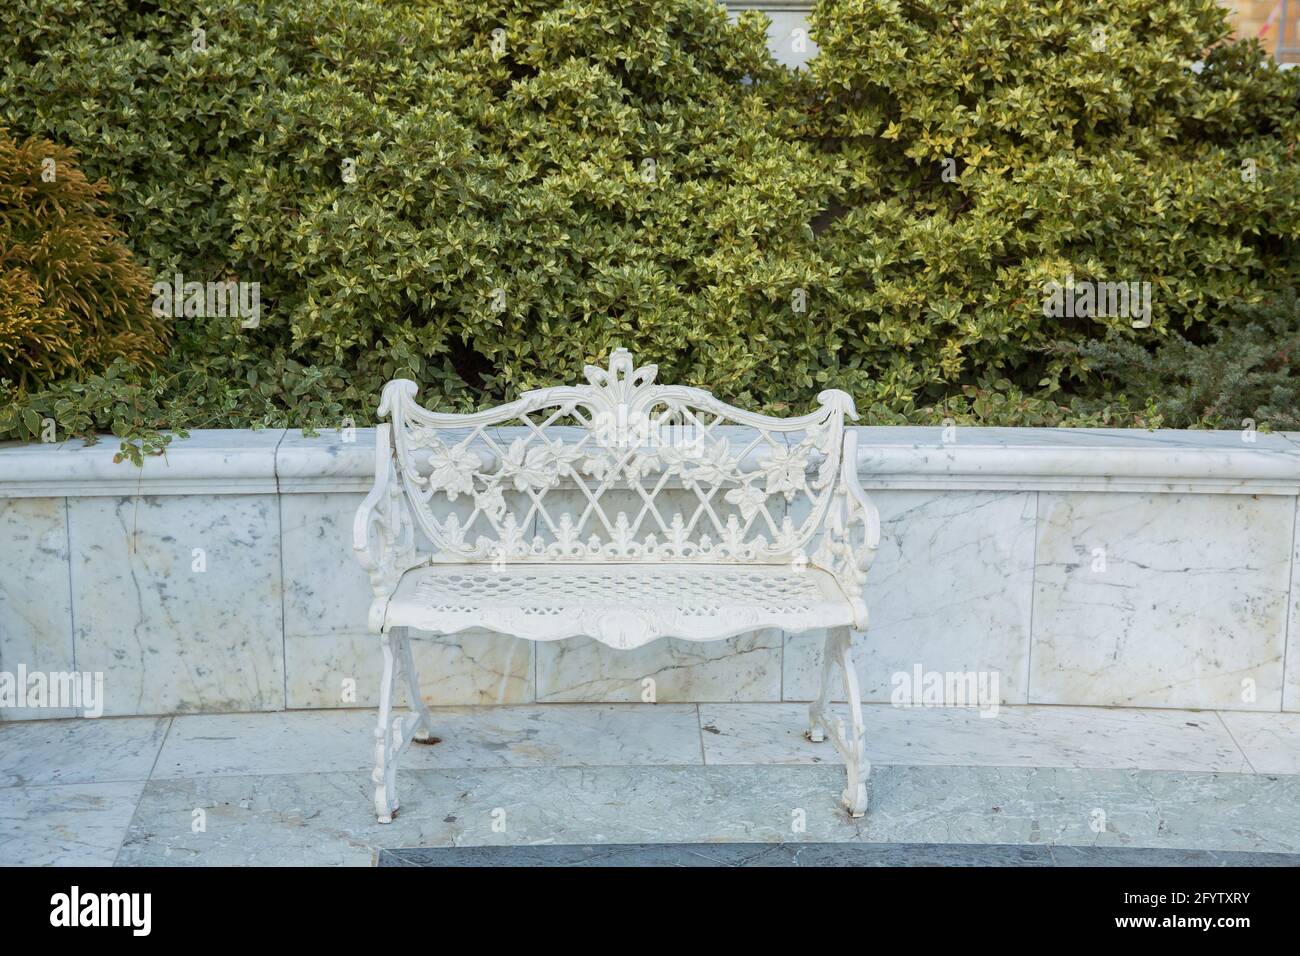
(621, 381)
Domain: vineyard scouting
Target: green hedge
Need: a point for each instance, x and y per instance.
(1079, 143)
(536, 182)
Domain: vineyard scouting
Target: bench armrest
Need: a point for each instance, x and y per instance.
(383, 534)
(852, 532)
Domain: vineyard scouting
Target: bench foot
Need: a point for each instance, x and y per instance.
(851, 744)
(394, 731)
(856, 802)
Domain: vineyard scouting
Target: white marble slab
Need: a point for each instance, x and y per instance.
(1271, 742)
(324, 741)
(1291, 676)
(666, 671)
(105, 750)
(474, 667)
(1078, 459)
(167, 637)
(950, 590)
(332, 460)
(1075, 737)
(326, 819)
(330, 658)
(35, 595)
(210, 461)
(69, 825)
(249, 461)
(1192, 601)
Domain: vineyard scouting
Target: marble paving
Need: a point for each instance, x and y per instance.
(819, 854)
(294, 787)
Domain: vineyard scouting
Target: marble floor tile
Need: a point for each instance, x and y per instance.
(324, 741)
(724, 854)
(821, 855)
(290, 742)
(566, 735)
(1091, 737)
(80, 824)
(327, 819)
(35, 753)
(1271, 742)
(1142, 857)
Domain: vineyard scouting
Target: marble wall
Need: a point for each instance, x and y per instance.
(1175, 583)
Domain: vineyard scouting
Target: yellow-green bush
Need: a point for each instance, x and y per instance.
(71, 298)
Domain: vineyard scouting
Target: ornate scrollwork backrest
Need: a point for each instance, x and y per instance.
(619, 469)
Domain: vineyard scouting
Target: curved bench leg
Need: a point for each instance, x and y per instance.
(424, 728)
(851, 745)
(387, 733)
(817, 726)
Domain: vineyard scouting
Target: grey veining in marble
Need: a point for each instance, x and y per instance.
(1161, 600)
(1271, 742)
(331, 660)
(68, 825)
(332, 460)
(326, 819)
(1075, 737)
(35, 594)
(950, 589)
(740, 668)
(79, 750)
(332, 669)
(171, 638)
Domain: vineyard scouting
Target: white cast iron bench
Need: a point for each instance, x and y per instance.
(621, 510)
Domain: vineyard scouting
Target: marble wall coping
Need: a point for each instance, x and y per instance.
(269, 461)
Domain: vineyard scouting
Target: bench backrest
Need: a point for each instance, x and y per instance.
(619, 469)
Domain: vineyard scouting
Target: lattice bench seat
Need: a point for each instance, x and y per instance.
(624, 511)
(622, 605)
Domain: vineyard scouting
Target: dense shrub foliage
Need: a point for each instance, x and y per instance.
(484, 194)
(1249, 372)
(71, 298)
(990, 147)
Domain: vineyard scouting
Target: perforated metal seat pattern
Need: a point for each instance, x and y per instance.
(626, 605)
